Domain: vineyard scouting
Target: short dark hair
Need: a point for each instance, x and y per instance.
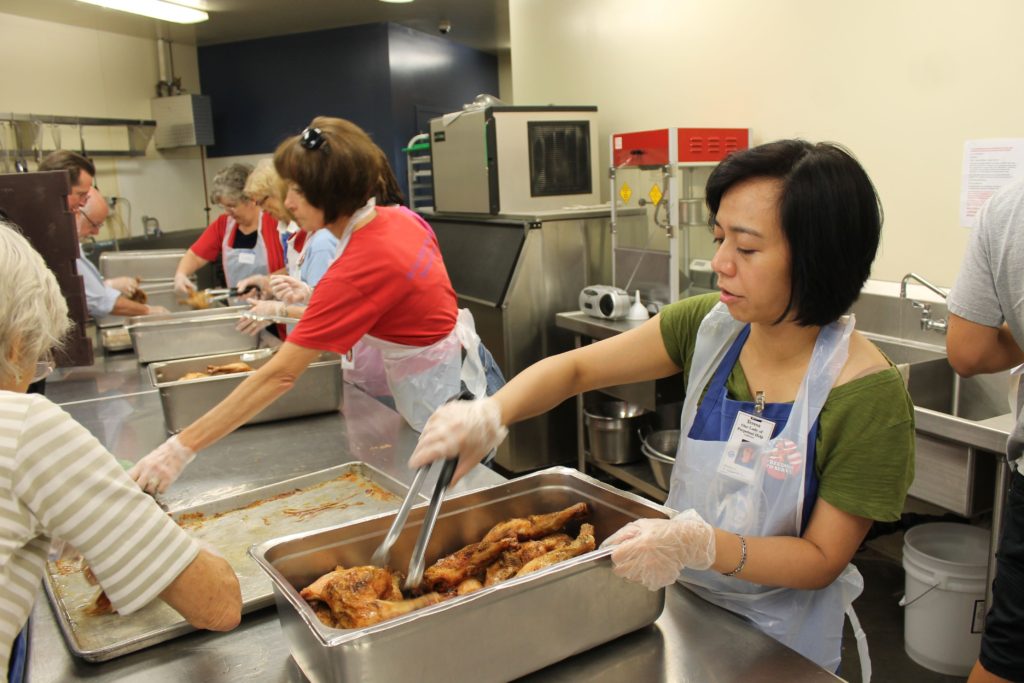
(337, 173)
(831, 218)
(65, 160)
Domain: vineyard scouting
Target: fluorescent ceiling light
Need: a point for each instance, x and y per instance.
(156, 9)
(396, 2)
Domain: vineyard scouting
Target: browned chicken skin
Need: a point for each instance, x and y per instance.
(468, 561)
(537, 526)
(362, 596)
(355, 597)
(513, 559)
(584, 543)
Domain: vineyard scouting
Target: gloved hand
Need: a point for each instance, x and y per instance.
(290, 290)
(182, 285)
(158, 470)
(154, 310)
(468, 430)
(654, 551)
(252, 327)
(262, 284)
(124, 284)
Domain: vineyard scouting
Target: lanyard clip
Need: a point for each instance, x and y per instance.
(758, 402)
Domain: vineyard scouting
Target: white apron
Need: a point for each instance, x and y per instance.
(758, 501)
(241, 263)
(293, 256)
(422, 378)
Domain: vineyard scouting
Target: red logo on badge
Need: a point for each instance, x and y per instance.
(784, 461)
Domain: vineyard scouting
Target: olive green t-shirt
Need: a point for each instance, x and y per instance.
(864, 453)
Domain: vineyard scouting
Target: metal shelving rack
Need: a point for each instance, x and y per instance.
(420, 172)
(29, 128)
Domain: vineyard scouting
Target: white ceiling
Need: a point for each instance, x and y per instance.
(481, 24)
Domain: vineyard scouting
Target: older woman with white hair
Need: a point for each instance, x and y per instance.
(244, 237)
(57, 481)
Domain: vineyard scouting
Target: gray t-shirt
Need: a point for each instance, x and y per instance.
(990, 287)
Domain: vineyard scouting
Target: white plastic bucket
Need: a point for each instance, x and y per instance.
(946, 566)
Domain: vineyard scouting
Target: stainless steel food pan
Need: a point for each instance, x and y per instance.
(318, 389)
(157, 294)
(189, 334)
(231, 525)
(148, 264)
(496, 634)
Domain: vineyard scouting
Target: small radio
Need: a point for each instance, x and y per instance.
(604, 301)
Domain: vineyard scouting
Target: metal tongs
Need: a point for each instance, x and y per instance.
(416, 561)
(218, 293)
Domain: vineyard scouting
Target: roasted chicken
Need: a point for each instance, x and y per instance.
(513, 559)
(361, 596)
(450, 571)
(355, 597)
(537, 526)
(584, 543)
(213, 370)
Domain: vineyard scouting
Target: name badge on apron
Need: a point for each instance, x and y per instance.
(742, 453)
(348, 361)
(247, 258)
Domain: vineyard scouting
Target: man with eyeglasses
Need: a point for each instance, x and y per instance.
(111, 296)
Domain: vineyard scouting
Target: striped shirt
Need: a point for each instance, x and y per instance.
(57, 481)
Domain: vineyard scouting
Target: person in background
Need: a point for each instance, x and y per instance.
(111, 296)
(57, 481)
(244, 237)
(772, 361)
(308, 252)
(102, 297)
(986, 334)
(388, 286)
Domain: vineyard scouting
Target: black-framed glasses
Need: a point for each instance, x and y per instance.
(312, 138)
(94, 224)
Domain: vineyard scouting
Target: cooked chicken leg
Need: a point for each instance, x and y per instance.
(468, 561)
(537, 526)
(362, 596)
(584, 543)
(512, 560)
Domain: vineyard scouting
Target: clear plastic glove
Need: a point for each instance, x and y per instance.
(262, 284)
(252, 327)
(654, 551)
(290, 290)
(156, 310)
(182, 285)
(468, 430)
(124, 284)
(158, 470)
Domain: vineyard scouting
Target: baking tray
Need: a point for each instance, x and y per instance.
(231, 525)
(498, 633)
(318, 389)
(157, 294)
(189, 334)
(148, 264)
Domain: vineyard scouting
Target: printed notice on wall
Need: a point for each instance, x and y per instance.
(988, 165)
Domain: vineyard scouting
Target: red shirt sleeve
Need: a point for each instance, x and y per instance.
(207, 247)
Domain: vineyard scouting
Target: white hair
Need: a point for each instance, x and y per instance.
(33, 314)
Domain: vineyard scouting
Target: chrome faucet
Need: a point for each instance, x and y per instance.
(927, 322)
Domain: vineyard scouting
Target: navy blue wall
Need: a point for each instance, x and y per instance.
(386, 78)
(264, 90)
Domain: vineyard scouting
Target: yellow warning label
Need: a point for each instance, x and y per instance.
(655, 194)
(625, 193)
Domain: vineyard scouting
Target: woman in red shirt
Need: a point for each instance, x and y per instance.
(387, 286)
(244, 237)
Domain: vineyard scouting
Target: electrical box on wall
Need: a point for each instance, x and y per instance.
(182, 121)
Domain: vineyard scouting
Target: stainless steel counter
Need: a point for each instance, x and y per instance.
(691, 641)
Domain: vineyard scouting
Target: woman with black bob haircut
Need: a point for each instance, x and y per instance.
(386, 287)
(830, 216)
(797, 433)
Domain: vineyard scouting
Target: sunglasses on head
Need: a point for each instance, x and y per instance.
(312, 138)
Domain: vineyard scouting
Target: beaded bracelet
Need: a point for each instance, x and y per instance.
(743, 557)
